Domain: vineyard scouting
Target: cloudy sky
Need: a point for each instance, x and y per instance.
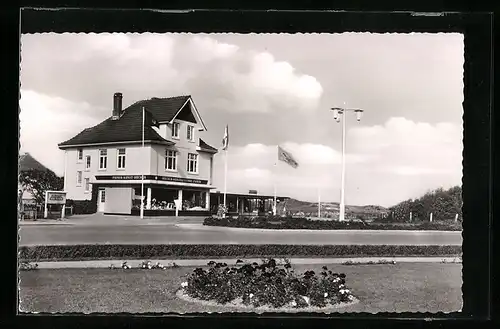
(270, 90)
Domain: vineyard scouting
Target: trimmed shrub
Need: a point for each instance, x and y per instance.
(191, 251)
(84, 207)
(276, 222)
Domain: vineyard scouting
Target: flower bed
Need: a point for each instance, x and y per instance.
(145, 265)
(275, 222)
(179, 251)
(267, 285)
(27, 266)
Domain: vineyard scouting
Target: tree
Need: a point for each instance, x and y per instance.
(443, 204)
(37, 181)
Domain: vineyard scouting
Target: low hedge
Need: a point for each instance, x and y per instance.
(191, 251)
(82, 207)
(308, 224)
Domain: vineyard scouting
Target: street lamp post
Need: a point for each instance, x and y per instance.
(337, 113)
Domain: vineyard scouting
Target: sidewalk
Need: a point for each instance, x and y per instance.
(203, 262)
(45, 222)
(111, 220)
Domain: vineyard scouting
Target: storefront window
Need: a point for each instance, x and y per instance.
(194, 200)
(161, 198)
(136, 202)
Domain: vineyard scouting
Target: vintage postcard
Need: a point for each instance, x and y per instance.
(181, 173)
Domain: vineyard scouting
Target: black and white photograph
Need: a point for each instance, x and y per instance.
(224, 172)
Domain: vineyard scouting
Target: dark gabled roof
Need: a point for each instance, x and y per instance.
(27, 162)
(163, 109)
(205, 147)
(126, 129)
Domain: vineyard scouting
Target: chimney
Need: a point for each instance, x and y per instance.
(117, 106)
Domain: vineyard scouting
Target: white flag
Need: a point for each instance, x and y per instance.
(225, 140)
(287, 157)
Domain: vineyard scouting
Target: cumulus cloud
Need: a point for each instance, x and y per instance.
(406, 147)
(46, 121)
(91, 67)
(385, 164)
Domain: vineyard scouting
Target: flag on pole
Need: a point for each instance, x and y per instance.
(150, 120)
(225, 140)
(287, 157)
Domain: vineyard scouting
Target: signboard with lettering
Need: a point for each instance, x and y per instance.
(54, 197)
(252, 192)
(152, 177)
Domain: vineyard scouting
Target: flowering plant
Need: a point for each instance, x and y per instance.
(26, 266)
(266, 284)
(147, 265)
(221, 211)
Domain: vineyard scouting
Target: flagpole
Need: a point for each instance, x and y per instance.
(225, 177)
(225, 146)
(142, 176)
(275, 210)
(319, 203)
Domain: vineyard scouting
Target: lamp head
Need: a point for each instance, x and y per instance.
(359, 114)
(337, 111)
(335, 114)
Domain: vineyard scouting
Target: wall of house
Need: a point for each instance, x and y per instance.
(183, 146)
(136, 163)
(158, 162)
(165, 131)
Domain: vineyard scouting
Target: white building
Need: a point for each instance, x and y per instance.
(106, 163)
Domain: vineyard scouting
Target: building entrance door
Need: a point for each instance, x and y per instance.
(101, 200)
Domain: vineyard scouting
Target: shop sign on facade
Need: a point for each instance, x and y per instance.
(152, 177)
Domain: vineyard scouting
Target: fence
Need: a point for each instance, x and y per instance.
(34, 212)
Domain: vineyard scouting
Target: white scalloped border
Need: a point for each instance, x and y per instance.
(180, 294)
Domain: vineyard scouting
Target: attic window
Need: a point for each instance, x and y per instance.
(190, 133)
(175, 130)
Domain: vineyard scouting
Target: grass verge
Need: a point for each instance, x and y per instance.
(193, 251)
(404, 287)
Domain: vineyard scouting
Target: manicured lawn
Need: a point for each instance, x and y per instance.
(404, 287)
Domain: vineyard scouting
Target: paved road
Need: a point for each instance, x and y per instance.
(190, 234)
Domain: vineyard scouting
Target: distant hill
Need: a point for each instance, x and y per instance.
(331, 209)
